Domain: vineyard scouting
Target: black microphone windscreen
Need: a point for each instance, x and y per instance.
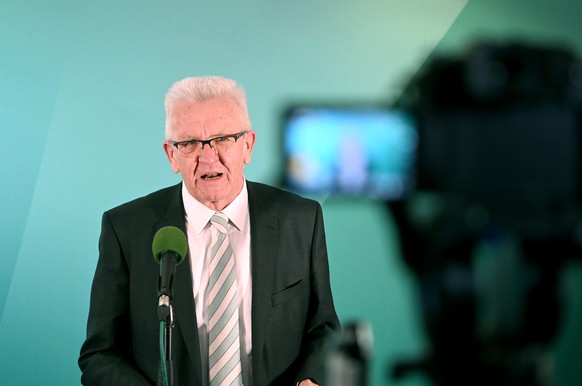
(170, 239)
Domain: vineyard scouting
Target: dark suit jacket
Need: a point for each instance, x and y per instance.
(292, 307)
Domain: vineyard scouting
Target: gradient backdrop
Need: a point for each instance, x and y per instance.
(81, 116)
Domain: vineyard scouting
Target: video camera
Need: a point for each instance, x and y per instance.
(499, 176)
(501, 128)
(480, 164)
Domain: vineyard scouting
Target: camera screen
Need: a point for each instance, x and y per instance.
(356, 151)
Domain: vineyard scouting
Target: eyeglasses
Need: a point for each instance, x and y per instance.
(195, 146)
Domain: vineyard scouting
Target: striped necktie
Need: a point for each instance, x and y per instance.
(223, 329)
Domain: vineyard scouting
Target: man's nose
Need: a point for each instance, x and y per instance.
(208, 152)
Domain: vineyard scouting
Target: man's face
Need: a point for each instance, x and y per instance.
(212, 177)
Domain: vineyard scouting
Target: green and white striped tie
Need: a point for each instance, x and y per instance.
(223, 329)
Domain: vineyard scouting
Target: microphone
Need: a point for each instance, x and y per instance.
(169, 247)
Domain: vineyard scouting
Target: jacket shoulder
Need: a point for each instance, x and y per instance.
(155, 202)
(276, 198)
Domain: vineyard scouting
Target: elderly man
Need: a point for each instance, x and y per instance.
(268, 326)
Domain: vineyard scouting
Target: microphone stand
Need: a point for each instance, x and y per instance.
(166, 315)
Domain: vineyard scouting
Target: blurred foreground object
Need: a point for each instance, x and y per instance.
(496, 210)
(348, 355)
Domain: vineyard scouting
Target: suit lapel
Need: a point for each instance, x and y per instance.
(264, 241)
(183, 300)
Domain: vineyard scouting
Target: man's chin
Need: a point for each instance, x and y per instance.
(215, 200)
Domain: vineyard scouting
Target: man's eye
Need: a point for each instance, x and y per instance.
(221, 139)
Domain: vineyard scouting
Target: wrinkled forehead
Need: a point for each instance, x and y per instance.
(208, 117)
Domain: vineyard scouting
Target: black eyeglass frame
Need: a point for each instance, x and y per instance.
(208, 142)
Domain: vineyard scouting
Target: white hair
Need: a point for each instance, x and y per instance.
(200, 89)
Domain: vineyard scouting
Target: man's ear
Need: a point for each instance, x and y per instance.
(250, 139)
(171, 154)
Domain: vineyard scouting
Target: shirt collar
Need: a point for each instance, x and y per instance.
(198, 215)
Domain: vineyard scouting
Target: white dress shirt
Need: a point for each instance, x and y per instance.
(199, 245)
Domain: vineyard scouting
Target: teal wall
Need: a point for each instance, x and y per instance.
(81, 117)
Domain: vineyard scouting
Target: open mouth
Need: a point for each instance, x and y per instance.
(211, 176)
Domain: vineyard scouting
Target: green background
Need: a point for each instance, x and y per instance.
(82, 121)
